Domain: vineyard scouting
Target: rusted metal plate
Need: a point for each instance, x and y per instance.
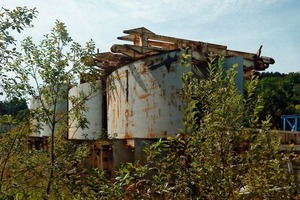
(130, 150)
(146, 43)
(144, 98)
(101, 156)
(290, 137)
(122, 152)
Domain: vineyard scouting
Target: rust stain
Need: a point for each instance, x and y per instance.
(163, 94)
(165, 134)
(118, 109)
(148, 108)
(143, 69)
(144, 96)
(127, 129)
(153, 85)
(134, 88)
(127, 113)
(151, 135)
(128, 135)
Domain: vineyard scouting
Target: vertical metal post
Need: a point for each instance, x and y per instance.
(239, 80)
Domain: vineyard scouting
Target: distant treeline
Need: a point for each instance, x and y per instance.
(15, 107)
(281, 95)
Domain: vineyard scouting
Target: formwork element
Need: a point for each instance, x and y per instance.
(40, 121)
(144, 98)
(144, 84)
(93, 100)
(144, 103)
(34, 106)
(38, 143)
(59, 108)
(144, 88)
(146, 43)
(236, 60)
(41, 128)
(99, 155)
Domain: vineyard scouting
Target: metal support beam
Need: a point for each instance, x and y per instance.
(291, 122)
(146, 43)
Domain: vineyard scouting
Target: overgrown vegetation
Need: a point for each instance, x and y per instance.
(218, 155)
(12, 21)
(45, 72)
(281, 95)
(16, 107)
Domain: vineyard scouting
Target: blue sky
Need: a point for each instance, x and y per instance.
(241, 25)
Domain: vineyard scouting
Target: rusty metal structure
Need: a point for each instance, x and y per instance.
(146, 43)
(142, 101)
(144, 87)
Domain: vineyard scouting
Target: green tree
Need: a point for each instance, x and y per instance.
(280, 95)
(12, 145)
(15, 107)
(46, 71)
(10, 21)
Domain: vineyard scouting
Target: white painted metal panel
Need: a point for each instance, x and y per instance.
(61, 112)
(93, 112)
(34, 105)
(40, 122)
(144, 98)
